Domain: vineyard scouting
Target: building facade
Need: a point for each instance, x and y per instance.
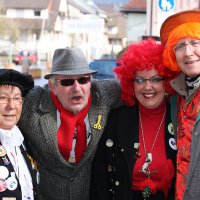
(49, 24)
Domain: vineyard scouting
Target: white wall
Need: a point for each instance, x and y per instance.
(26, 13)
(136, 26)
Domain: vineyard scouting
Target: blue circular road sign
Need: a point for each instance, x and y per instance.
(166, 5)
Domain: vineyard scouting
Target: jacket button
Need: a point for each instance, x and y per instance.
(122, 150)
(109, 143)
(109, 168)
(116, 183)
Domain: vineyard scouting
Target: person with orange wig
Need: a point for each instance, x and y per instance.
(180, 33)
(135, 158)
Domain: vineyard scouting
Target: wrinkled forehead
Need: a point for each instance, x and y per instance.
(186, 40)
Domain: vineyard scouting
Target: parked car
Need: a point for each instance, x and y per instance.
(32, 55)
(104, 68)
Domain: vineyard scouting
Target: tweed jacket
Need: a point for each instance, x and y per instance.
(192, 191)
(60, 180)
(116, 155)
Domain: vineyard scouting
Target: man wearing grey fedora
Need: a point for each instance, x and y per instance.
(64, 123)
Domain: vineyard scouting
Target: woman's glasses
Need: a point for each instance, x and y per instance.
(69, 82)
(16, 100)
(154, 79)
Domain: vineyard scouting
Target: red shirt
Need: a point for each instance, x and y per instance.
(151, 120)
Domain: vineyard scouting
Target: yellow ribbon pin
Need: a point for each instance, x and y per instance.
(98, 125)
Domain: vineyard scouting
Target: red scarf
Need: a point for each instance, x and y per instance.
(65, 135)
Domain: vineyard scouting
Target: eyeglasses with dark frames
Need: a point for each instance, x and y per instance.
(69, 82)
(154, 79)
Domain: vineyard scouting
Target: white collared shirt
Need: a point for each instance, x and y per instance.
(12, 140)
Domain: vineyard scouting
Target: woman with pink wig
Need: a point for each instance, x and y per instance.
(135, 159)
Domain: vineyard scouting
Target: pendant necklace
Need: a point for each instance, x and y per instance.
(145, 167)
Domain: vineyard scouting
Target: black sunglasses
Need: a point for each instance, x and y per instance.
(70, 82)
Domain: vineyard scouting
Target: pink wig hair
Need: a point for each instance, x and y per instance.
(143, 55)
(186, 30)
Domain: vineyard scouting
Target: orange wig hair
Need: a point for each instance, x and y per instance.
(144, 55)
(186, 30)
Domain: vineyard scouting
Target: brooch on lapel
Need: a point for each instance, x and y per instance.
(171, 128)
(172, 142)
(33, 162)
(3, 153)
(98, 125)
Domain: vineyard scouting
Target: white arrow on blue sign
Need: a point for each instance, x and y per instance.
(166, 5)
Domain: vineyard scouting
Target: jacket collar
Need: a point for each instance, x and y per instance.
(179, 85)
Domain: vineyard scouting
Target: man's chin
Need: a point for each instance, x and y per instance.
(76, 110)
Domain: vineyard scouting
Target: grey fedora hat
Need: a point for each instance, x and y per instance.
(69, 61)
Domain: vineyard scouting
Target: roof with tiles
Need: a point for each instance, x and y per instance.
(51, 5)
(134, 6)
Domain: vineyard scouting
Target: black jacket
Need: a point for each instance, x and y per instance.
(115, 157)
(17, 192)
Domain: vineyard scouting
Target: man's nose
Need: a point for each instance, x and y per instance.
(76, 84)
